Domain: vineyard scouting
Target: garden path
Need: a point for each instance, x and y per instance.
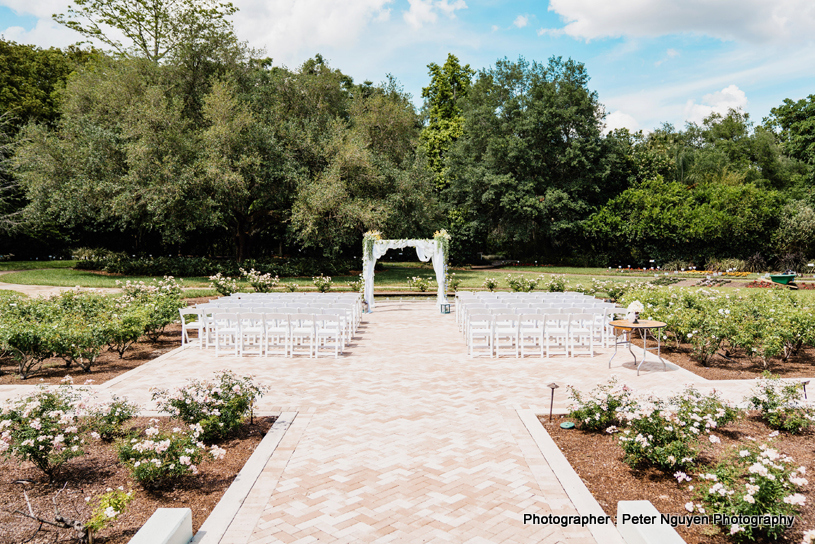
(406, 438)
(44, 291)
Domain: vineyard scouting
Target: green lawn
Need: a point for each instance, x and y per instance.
(393, 277)
(33, 265)
(67, 277)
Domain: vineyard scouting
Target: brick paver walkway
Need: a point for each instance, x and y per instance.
(406, 438)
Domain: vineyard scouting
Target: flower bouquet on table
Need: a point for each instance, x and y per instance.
(634, 310)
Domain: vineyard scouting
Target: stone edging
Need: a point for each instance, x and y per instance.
(584, 502)
(219, 520)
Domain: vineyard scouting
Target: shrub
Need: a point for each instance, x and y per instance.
(204, 266)
(219, 405)
(422, 284)
(556, 284)
(108, 507)
(753, 481)
(322, 283)
(44, 428)
(781, 404)
(223, 285)
(357, 285)
(124, 327)
(490, 284)
(453, 282)
(521, 284)
(108, 417)
(161, 300)
(161, 456)
(291, 287)
(261, 283)
(602, 408)
(667, 434)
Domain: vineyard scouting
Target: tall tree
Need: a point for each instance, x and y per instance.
(794, 121)
(525, 170)
(155, 29)
(445, 123)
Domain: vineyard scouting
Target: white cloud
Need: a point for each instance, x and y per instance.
(760, 21)
(618, 119)
(426, 11)
(731, 97)
(521, 21)
(669, 54)
(46, 33)
(292, 30)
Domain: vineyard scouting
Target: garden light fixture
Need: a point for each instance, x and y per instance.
(552, 386)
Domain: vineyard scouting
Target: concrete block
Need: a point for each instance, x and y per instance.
(166, 526)
(639, 522)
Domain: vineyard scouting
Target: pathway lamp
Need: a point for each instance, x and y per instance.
(552, 386)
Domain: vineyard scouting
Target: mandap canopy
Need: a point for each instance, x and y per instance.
(435, 250)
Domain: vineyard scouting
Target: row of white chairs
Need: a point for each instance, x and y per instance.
(543, 334)
(267, 333)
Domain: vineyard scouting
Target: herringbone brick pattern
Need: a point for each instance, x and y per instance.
(405, 438)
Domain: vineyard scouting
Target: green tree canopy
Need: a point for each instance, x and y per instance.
(154, 29)
(445, 123)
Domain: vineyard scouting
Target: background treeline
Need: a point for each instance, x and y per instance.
(212, 150)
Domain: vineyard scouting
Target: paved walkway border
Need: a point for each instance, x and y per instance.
(584, 502)
(221, 517)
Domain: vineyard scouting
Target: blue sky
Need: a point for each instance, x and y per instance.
(650, 61)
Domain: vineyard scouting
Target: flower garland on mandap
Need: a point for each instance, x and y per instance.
(443, 238)
(368, 240)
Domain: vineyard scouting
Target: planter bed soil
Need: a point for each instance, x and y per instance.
(107, 366)
(98, 470)
(734, 365)
(598, 460)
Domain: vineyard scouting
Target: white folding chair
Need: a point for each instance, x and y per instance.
(251, 333)
(505, 333)
(187, 326)
(328, 334)
(276, 334)
(227, 331)
(530, 333)
(479, 327)
(581, 334)
(301, 334)
(556, 332)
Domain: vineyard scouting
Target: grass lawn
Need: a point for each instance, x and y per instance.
(395, 276)
(33, 265)
(67, 277)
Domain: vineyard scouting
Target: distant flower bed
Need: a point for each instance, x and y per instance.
(204, 266)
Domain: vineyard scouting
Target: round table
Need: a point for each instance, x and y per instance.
(644, 327)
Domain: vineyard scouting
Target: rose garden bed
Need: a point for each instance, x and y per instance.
(695, 453)
(107, 366)
(598, 460)
(99, 470)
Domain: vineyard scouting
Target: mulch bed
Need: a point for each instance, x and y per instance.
(98, 470)
(107, 366)
(736, 366)
(598, 460)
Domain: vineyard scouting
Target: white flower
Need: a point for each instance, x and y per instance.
(750, 499)
(735, 529)
(714, 439)
(795, 499)
(689, 506)
(774, 434)
(744, 453)
(110, 512)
